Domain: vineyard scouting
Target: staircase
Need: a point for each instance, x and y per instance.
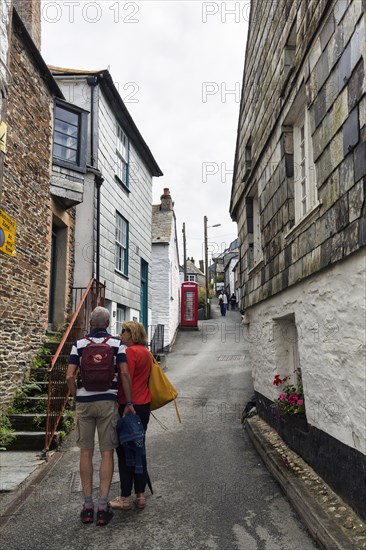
(29, 410)
(40, 414)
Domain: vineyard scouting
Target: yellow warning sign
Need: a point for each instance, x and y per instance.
(7, 234)
(3, 129)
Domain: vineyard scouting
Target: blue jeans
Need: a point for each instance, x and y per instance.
(223, 309)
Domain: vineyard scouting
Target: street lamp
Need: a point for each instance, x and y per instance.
(206, 261)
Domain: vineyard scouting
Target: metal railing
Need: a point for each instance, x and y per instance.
(157, 341)
(84, 301)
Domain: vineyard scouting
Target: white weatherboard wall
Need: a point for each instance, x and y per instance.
(134, 206)
(166, 288)
(330, 320)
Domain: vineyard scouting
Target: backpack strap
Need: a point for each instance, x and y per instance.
(92, 341)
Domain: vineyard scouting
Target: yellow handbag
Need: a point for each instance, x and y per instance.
(161, 389)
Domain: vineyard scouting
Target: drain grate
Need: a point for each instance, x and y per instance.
(75, 481)
(231, 358)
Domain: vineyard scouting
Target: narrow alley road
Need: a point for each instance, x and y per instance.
(211, 490)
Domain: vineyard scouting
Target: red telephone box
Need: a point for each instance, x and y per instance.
(189, 307)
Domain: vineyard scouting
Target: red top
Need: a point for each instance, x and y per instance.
(139, 366)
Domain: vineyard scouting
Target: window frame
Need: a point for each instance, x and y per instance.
(121, 170)
(82, 128)
(305, 187)
(119, 245)
(123, 309)
(190, 280)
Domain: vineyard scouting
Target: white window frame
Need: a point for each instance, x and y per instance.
(120, 318)
(305, 188)
(121, 245)
(191, 278)
(257, 236)
(122, 156)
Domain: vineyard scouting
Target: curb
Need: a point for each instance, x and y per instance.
(19, 496)
(323, 527)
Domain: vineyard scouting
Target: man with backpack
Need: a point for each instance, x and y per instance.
(98, 355)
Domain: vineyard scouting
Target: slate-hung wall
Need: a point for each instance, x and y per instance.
(25, 197)
(303, 272)
(335, 95)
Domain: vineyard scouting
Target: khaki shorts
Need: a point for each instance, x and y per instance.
(99, 415)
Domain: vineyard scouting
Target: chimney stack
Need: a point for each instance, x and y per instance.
(30, 13)
(202, 268)
(166, 200)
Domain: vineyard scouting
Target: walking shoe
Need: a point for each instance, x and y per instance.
(121, 503)
(87, 515)
(104, 516)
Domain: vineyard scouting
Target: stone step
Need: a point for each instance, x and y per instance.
(52, 346)
(30, 441)
(31, 422)
(39, 374)
(36, 404)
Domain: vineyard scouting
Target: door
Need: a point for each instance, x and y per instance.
(144, 293)
(53, 273)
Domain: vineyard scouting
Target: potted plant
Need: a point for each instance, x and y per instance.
(291, 403)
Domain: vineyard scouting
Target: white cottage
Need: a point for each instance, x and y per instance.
(298, 197)
(165, 281)
(113, 223)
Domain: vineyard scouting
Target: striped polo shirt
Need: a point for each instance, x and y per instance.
(97, 335)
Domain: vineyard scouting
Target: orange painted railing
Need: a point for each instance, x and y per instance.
(84, 301)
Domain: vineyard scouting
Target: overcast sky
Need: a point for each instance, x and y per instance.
(179, 66)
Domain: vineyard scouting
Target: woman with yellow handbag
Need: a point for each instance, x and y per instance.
(139, 366)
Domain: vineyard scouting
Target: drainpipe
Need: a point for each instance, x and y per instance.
(92, 81)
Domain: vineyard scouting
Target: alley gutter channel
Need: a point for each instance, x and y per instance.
(332, 523)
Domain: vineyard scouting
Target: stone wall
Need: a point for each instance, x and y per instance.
(24, 279)
(328, 64)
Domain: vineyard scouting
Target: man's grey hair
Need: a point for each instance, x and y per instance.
(99, 317)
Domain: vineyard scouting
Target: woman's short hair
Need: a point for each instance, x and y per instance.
(137, 331)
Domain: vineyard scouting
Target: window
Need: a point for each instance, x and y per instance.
(254, 231)
(304, 173)
(120, 318)
(191, 278)
(69, 136)
(121, 253)
(122, 154)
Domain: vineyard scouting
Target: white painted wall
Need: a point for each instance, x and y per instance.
(166, 287)
(331, 329)
(4, 46)
(134, 206)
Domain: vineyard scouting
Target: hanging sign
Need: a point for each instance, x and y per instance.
(7, 234)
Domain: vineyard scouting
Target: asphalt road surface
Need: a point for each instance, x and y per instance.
(211, 490)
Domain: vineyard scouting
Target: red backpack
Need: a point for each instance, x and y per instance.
(97, 366)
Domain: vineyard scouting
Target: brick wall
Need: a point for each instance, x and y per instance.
(24, 280)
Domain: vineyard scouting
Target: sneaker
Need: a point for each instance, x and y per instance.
(104, 516)
(121, 503)
(87, 515)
